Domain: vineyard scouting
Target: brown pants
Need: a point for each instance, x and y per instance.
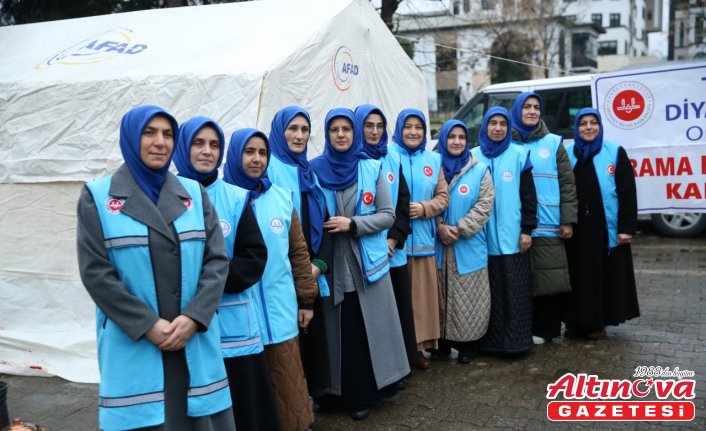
(291, 394)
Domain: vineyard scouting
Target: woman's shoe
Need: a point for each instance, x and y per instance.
(596, 335)
(422, 362)
(359, 415)
(538, 340)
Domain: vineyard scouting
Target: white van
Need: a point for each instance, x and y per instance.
(563, 98)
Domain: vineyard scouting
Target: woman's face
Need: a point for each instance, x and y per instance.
(340, 134)
(589, 127)
(413, 132)
(297, 134)
(531, 111)
(205, 150)
(255, 157)
(157, 142)
(497, 128)
(456, 141)
(373, 128)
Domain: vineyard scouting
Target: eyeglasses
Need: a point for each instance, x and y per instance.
(371, 126)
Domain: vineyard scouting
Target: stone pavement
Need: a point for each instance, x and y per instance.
(495, 393)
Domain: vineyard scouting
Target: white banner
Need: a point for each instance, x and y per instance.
(659, 117)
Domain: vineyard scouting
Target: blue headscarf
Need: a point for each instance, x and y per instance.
(233, 172)
(371, 151)
(399, 125)
(588, 148)
(307, 181)
(338, 170)
(517, 123)
(182, 152)
(452, 164)
(133, 123)
(488, 147)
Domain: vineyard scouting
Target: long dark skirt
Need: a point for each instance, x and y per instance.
(251, 390)
(314, 351)
(546, 316)
(510, 327)
(403, 296)
(358, 387)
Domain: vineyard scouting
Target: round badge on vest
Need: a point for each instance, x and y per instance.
(114, 205)
(225, 227)
(368, 198)
(390, 177)
(428, 171)
(611, 169)
(276, 225)
(544, 152)
(188, 203)
(463, 190)
(507, 176)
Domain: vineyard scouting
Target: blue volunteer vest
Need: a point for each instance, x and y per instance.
(471, 253)
(275, 294)
(131, 390)
(286, 176)
(372, 248)
(421, 171)
(391, 172)
(604, 163)
(504, 225)
(237, 312)
(546, 181)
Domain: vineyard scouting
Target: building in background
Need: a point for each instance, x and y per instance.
(688, 30)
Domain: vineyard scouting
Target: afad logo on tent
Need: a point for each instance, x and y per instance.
(628, 105)
(343, 68)
(114, 42)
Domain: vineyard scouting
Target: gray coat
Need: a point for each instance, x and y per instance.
(377, 300)
(135, 317)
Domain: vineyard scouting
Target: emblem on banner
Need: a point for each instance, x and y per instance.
(628, 105)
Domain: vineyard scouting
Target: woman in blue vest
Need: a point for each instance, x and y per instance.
(429, 198)
(151, 255)
(508, 231)
(367, 351)
(198, 154)
(462, 247)
(556, 213)
(289, 168)
(600, 259)
(371, 125)
(286, 292)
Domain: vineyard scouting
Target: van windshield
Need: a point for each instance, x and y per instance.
(472, 112)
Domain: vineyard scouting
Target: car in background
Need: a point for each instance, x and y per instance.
(563, 98)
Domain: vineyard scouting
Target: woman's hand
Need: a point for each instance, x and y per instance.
(624, 238)
(178, 333)
(525, 243)
(416, 210)
(391, 244)
(315, 271)
(566, 231)
(448, 234)
(338, 224)
(305, 317)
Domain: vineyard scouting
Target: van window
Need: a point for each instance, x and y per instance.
(561, 106)
(472, 112)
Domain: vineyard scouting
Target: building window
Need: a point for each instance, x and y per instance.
(487, 4)
(597, 18)
(681, 34)
(445, 59)
(466, 6)
(615, 20)
(457, 7)
(699, 31)
(608, 47)
(570, 18)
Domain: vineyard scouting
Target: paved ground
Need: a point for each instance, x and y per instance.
(495, 393)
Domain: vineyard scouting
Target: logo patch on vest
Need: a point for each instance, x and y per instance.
(188, 203)
(611, 169)
(225, 227)
(544, 153)
(368, 198)
(114, 205)
(428, 171)
(390, 177)
(507, 176)
(277, 225)
(463, 190)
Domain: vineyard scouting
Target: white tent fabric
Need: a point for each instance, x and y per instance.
(64, 86)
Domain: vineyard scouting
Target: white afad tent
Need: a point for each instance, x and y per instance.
(65, 85)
